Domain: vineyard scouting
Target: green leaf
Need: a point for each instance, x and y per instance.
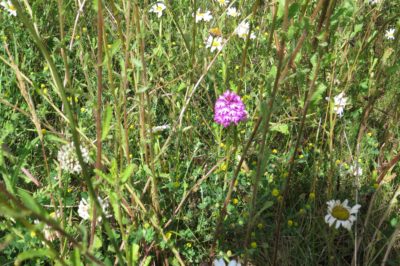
(115, 204)
(108, 178)
(394, 221)
(30, 202)
(106, 122)
(135, 253)
(127, 173)
(281, 128)
(97, 243)
(317, 95)
(76, 258)
(30, 254)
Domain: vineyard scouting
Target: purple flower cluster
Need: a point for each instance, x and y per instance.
(229, 108)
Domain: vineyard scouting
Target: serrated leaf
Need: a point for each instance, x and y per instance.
(135, 253)
(108, 178)
(127, 173)
(106, 122)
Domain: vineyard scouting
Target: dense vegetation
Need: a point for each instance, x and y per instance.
(199, 132)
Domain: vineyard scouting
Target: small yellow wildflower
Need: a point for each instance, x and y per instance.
(237, 67)
(84, 29)
(69, 189)
(44, 131)
(83, 109)
(253, 244)
(376, 186)
(77, 37)
(45, 91)
(42, 86)
(275, 192)
(301, 156)
(260, 226)
(338, 162)
(188, 245)
(109, 46)
(146, 225)
(229, 253)
(274, 151)
(168, 234)
(223, 167)
(33, 234)
(130, 156)
(290, 223)
(235, 201)
(222, 145)
(369, 134)
(302, 211)
(311, 196)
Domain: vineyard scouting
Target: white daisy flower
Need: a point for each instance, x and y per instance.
(221, 262)
(339, 104)
(69, 160)
(8, 6)
(84, 209)
(390, 34)
(232, 11)
(341, 213)
(158, 8)
(243, 30)
(214, 43)
(223, 2)
(205, 16)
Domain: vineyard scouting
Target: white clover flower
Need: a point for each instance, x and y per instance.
(356, 170)
(8, 6)
(243, 30)
(341, 213)
(390, 34)
(69, 160)
(158, 8)
(221, 262)
(205, 16)
(214, 43)
(339, 103)
(84, 209)
(157, 129)
(223, 2)
(232, 11)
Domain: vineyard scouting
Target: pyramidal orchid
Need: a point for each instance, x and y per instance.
(229, 109)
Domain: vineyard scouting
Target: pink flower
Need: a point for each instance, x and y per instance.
(228, 109)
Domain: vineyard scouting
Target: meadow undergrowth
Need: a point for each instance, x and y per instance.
(201, 132)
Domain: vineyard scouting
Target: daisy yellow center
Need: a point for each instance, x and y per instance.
(159, 8)
(216, 43)
(340, 213)
(11, 7)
